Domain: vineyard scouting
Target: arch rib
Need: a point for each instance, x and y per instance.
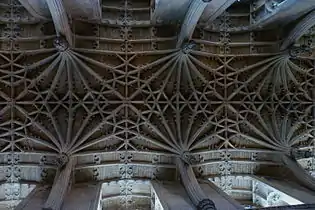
(192, 17)
(60, 19)
(214, 9)
(299, 30)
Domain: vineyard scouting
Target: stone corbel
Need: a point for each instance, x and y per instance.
(188, 158)
(295, 51)
(61, 44)
(191, 185)
(187, 47)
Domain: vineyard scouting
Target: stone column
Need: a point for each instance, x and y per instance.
(60, 18)
(303, 176)
(193, 189)
(60, 187)
(299, 30)
(194, 13)
(170, 195)
(85, 196)
(222, 200)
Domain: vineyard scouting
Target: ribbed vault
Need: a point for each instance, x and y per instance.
(123, 99)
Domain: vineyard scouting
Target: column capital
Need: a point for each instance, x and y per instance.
(295, 51)
(206, 204)
(188, 158)
(188, 46)
(61, 44)
(298, 154)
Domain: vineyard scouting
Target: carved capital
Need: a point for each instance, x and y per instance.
(61, 44)
(273, 198)
(188, 158)
(295, 51)
(187, 47)
(299, 154)
(206, 204)
(62, 160)
(271, 5)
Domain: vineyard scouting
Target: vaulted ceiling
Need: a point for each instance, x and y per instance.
(125, 86)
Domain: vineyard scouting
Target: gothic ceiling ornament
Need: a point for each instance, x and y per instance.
(128, 93)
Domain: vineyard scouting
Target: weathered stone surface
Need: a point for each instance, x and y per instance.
(191, 19)
(172, 196)
(221, 200)
(122, 99)
(169, 11)
(37, 8)
(280, 12)
(61, 186)
(300, 207)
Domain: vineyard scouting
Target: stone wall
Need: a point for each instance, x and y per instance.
(299, 207)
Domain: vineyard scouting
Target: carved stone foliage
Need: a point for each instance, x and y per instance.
(206, 204)
(123, 86)
(13, 170)
(126, 194)
(273, 199)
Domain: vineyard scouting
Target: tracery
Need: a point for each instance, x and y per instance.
(133, 95)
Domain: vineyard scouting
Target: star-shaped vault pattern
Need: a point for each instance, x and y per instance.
(123, 94)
